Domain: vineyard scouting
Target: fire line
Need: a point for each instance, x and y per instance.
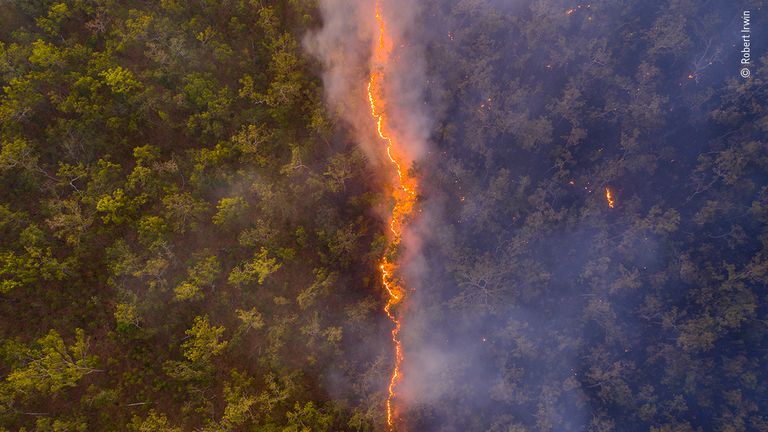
(609, 198)
(403, 195)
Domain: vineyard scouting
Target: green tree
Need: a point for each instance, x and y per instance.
(230, 210)
(201, 275)
(204, 340)
(257, 269)
(154, 422)
(307, 418)
(50, 365)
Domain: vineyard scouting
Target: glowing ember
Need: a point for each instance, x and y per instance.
(403, 195)
(609, 198)
(572, 10)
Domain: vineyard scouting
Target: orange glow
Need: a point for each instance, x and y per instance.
(609, 198)
(403, 195)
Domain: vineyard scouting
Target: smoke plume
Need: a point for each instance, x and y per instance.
(374, 76)
(344, 45)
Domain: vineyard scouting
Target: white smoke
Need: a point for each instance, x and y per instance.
(344, 45)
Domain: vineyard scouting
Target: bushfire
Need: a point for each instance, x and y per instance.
(609, 198)
(403, 195)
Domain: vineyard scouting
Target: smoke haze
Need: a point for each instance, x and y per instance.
(535, 305)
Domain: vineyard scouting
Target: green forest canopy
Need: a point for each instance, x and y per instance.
(183, 245)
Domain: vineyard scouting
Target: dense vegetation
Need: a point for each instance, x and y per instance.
(185, 242)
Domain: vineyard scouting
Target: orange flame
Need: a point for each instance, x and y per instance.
(609, 198)
(404, 197)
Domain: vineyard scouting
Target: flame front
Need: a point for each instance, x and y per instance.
(404, 197)
(609, 198)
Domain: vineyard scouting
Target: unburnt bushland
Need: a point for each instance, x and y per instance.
(186, 240)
